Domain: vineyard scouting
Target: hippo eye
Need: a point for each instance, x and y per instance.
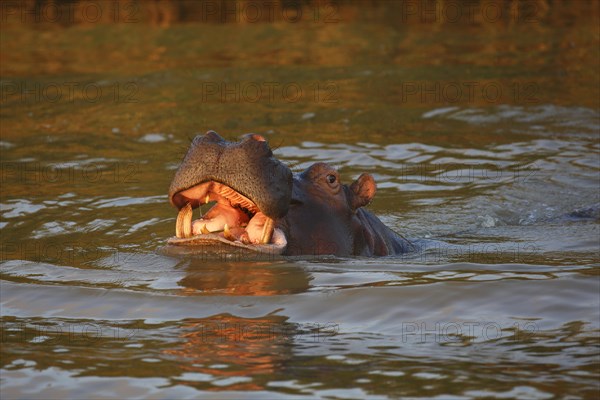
(331, 179)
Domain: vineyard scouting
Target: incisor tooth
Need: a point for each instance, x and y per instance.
(183, 225)
(267, 232)
(227, 233)
(244, 238)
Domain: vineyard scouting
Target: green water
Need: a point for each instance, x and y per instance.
(482, 134)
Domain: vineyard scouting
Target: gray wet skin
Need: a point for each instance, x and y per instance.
(247, 166)
(270, 210)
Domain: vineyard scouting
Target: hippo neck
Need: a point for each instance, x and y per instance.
(376, 239)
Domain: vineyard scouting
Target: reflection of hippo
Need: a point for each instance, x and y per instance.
(260, 205)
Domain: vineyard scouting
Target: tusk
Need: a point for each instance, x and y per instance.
(267, 233)
(183, 225)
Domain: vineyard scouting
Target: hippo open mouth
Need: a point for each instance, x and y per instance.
(247, 187)
(232, 217)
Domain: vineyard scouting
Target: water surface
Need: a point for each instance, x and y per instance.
(501, 188)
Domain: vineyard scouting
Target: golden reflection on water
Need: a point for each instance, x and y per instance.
(369, 72)
(244, 279)
(228, 346)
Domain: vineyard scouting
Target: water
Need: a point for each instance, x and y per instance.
(500, 188)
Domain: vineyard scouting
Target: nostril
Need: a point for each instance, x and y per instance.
(213, 136)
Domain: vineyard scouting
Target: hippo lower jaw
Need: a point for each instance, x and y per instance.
(233, 220)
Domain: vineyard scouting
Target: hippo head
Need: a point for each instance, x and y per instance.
(258, 204)
(323, 216)
(250, 189)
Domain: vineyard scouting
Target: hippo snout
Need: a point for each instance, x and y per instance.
(248, 186)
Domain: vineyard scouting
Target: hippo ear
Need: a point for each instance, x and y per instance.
(362, 191)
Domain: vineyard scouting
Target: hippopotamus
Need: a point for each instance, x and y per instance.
(258, 204)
